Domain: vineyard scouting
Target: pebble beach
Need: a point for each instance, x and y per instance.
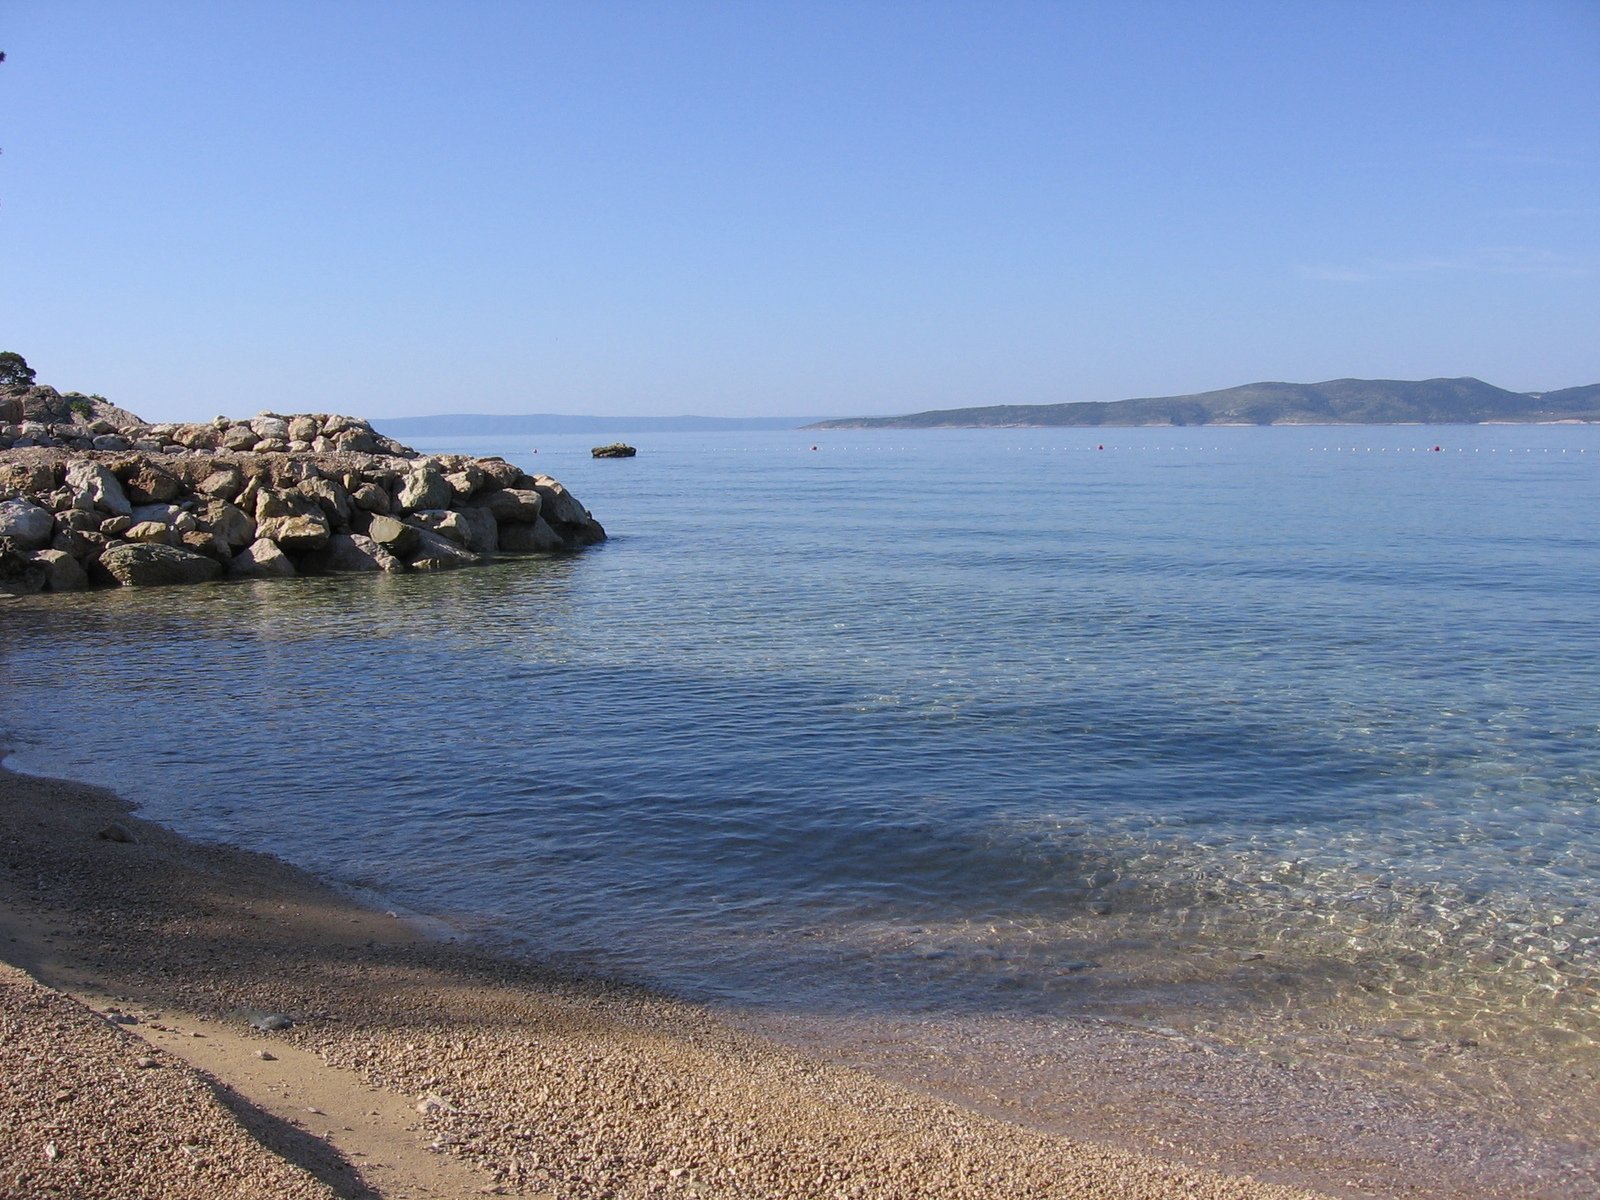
(147, 974)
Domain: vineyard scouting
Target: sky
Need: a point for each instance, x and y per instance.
(778, 208)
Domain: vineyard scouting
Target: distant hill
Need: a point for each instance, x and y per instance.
(1336, 402)
(475, 424)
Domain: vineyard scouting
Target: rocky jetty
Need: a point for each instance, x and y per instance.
(99, 497)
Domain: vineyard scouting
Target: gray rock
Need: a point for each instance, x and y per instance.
(166, 514)
(146, 483)
(483, 531)
(262, 559)
(26, 524)
(20, 575)
(116, 831)
(465, 482)
(369, 497)
(436, 553)
(152, 533)
(535, 538)
(273, 1023)
(270, 426)
(240, 437)
(422, 489)
(225, 483)
(395, 535)
(142, 565)
(103, 487)
(229, 523)
(63, 573)
(510, 504)
(560, 506)
(331, 497)
(353, 552)
(294, 521)
(444, 522)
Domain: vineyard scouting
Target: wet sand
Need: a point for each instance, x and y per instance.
(131, 1064)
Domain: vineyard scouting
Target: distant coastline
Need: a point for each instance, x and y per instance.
(1463, 401)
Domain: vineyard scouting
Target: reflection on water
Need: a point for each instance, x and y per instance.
(1205, 737)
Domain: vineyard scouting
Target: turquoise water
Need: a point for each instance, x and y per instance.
(1204, 725)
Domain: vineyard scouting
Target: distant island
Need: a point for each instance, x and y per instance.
(1337, 402)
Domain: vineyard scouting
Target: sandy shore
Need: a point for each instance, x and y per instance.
(130, 1066)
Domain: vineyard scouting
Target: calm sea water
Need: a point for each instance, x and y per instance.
(1200, 724)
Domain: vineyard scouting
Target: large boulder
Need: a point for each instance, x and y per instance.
(352, 552)
(229, 523)
(270, 426)
(104, 488)
(436, 553)
(530, 538)
(25, 523)
(560, 506)
(330, 497)
(63, 573)
(262, 559)
(422, 489)
(294, 521)
(444, 522)
(394, 535)
(27, 476)
(20, 574)
(225, 483)
(147, 565)
(145, 482)
(483, 531)
(510, 504)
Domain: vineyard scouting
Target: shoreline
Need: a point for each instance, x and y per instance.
(455, 1066)
(458, 1071)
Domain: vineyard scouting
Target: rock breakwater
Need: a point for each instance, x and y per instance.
(102, 502)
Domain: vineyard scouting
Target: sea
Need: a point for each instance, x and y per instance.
(1220, 732)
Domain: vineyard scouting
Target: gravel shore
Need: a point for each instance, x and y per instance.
(139, 1058)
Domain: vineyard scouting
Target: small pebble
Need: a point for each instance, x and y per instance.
(147, 1062)
(266, 1056)
(273, 1023)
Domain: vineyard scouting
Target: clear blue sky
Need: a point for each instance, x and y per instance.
(765, 208)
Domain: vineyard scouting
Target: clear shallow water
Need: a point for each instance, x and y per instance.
(1207, 726)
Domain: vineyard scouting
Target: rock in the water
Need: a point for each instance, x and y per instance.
(522, 539)
(559, 507)
(352, 552)
(137, 564)
(615, 450)
(63, 572)
(262, 559)
(19, 573)
(436, 553)
(393, 535)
